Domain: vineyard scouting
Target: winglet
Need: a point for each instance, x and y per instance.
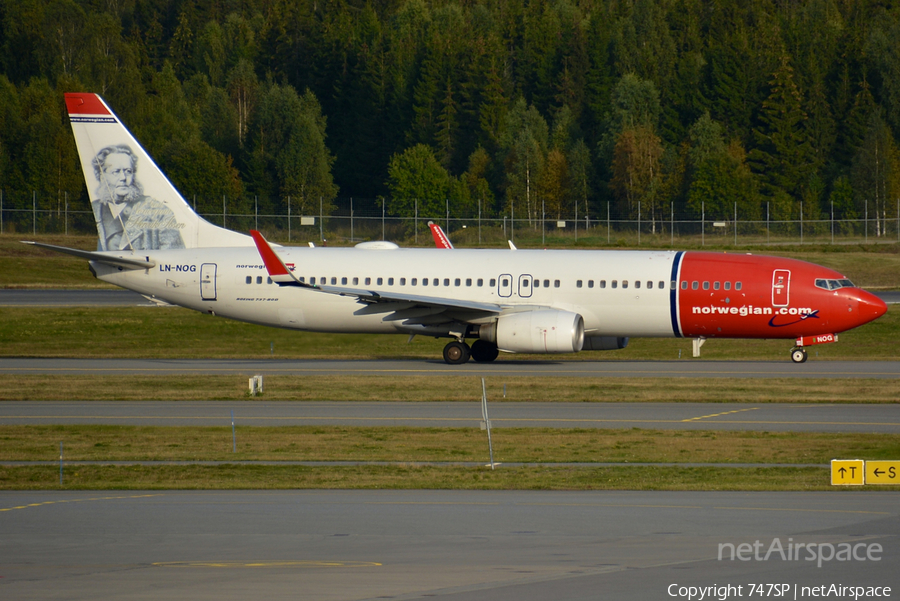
(511, 245)
(278, 271)
(440, 238)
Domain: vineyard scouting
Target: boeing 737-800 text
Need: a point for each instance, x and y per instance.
(520, 301)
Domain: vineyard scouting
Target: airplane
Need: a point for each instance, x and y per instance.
(515, 301)
(440, 238)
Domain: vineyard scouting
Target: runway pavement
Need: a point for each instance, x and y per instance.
(770, 417)
(686, 368)
(455, 545)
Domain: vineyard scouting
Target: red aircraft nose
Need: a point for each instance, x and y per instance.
(870, 307)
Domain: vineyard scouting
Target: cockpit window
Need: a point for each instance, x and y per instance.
(833, 284)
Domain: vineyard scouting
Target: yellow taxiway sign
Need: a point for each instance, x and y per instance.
(848, 472)
(882, 472)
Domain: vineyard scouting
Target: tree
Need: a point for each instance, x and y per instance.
(782, 156)
(524, 145)
(876, 172)
(415, 177)
(637, 173)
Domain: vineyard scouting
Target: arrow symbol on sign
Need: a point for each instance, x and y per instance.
(842, 471)
(878, 472)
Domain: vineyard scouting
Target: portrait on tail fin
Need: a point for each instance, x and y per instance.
(126, 218)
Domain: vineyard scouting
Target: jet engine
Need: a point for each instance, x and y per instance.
(604, 343)
(544, 331)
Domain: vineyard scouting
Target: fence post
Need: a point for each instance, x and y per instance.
(223, 210)
(351, 219)
(672, 222)
(382, 219)
(735, 224)
(289, 218)
(702, 223)
(639, 223)
(66, 198)
(321, 226)
(447, 202)
(33, 212)
(832, 222)
(256, 212)
(607, 222)
(543, 221)
(576, 222)
(1, 212)
(416, 219)
(801, 223)
(866, 225)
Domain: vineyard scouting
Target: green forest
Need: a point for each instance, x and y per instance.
(537, 107)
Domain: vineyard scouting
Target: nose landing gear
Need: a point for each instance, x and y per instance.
(798, 355)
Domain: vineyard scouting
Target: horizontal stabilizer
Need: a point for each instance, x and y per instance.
(100, 257)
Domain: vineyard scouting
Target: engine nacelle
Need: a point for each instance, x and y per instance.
(545, 331)
(604, 343)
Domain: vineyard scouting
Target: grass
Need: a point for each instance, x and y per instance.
(243, 477)
(449, 388)
(405, 444)
(173, 332)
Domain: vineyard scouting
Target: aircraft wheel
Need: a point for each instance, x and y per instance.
(798, 355)
(484, 351)
(456, 353)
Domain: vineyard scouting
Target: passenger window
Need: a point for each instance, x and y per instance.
(737, 285)
(715, 285)
(727, 285)
(446, 281)
(302, 279)
(504, 282)
(403, 281)
(379, 281)
(259, 279)
(456, 282)
(546, 283)
(413, 282)
(468, 281)
(650, 285)
(436, 282)
(556, 283)
(706, 285)
(603, 283)
(614, 284)
(624, 283)
(343, 281)
(355, 281)
(268, 280)
(390, 281)
(695, 285)
(481, 282)
(590, 283)
(424, 281)
(368, 281)
(537, 283)
(249, 279)
(493, 282)
(637, 284)
(578, 284)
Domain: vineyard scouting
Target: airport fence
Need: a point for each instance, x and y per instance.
(351, 221)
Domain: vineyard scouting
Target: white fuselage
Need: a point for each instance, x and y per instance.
(233, 282)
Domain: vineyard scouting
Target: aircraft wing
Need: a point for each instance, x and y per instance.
(100, 257)
(409, 308)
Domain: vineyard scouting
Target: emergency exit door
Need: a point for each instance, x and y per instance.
(208, 282)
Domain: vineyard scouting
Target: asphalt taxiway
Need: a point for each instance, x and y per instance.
(769, 417)
(687, 368)
(456, 545)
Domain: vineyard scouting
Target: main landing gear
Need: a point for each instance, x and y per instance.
(458, 352)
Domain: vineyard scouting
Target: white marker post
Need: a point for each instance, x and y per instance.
(486, 422)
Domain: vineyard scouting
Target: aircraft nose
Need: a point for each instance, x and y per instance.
(870, 307)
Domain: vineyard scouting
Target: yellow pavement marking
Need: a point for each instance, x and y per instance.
(690, 419)
(266, 564)
(30, 505)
